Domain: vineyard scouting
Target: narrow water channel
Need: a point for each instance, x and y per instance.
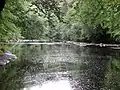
(59, 67)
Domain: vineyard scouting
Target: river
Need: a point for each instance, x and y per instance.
(61, 67)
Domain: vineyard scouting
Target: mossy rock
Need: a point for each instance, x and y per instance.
(1, 52)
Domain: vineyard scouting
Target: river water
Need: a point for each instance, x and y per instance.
(61, 67)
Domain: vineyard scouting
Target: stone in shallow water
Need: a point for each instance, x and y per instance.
(6, 57)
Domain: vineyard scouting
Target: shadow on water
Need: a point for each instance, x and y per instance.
(79, 68)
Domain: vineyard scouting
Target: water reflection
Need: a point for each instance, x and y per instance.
(56, 85)
(112, 77)
(65, 67)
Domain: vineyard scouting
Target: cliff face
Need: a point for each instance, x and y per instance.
(2, 4)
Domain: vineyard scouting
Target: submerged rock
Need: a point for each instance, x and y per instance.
(7, 57)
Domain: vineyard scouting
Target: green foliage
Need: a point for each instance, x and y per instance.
(33, 28)
(8, 28)
(49, 9)
(78, 20)
(97, 12)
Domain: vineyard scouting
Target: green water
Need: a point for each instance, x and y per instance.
(62, 66)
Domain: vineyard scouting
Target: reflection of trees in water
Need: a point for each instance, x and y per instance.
(93, 66)
(12, 75)
(112, 77)
(83, 66)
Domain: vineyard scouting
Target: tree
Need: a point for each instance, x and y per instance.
(33, 28)
(2, 4)
(92, 13)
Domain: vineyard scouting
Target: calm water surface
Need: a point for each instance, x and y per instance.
(61, 67)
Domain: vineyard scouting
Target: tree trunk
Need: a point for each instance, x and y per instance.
(2, 4)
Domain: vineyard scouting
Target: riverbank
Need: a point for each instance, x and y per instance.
(116, 46)
(93, 44)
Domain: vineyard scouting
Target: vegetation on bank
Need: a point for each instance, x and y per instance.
(77, 20)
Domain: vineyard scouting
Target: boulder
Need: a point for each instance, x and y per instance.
(7, 57)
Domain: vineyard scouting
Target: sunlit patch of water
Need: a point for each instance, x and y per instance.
(56, 85)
